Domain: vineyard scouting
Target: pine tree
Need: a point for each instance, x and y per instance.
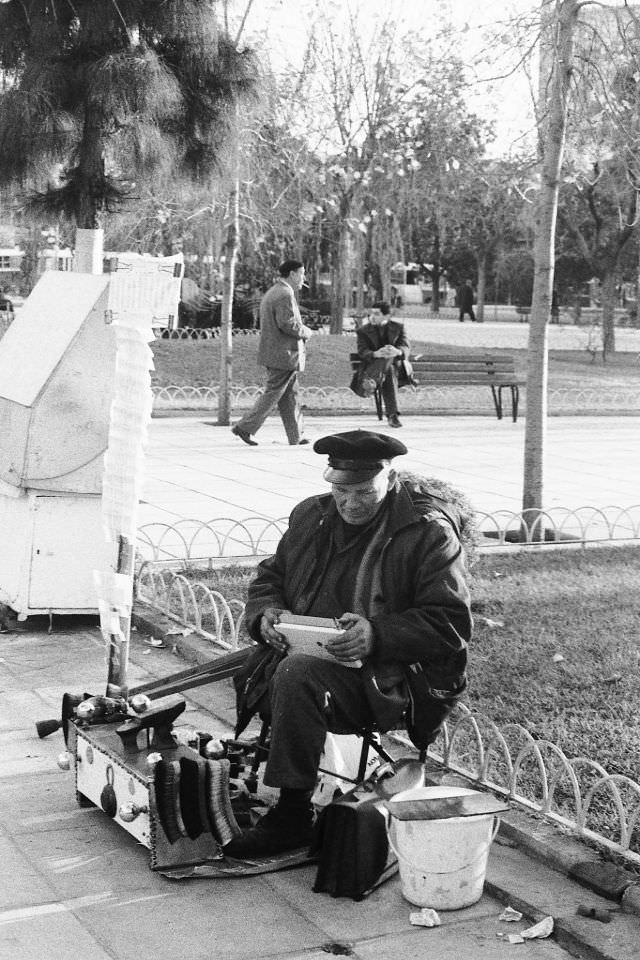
(100, 93)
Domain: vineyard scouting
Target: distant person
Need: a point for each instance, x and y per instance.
(382, 343)
(555, 307)
(466, 300)
(6, 305)
(282, 352)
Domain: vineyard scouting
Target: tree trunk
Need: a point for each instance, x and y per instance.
(339, 272)
(359, 273)
(435, 277)
(555, 72)
(226, 312)
(609, 301)
(482, 285)
(29, 264)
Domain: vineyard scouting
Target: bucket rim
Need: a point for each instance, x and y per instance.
(440, 792)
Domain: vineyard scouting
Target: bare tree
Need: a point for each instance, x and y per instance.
(559, 20)
(602, 176)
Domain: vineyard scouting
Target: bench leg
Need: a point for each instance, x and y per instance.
(377, 396)
(515, 398)
(496, 393)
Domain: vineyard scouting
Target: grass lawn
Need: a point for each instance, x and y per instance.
(197, 362)
(581, 606)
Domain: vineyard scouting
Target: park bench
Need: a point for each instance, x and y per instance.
(460, 370)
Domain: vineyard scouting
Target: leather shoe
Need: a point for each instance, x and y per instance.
(394, 421)
(244, 436)
(274, 833)
(300, 443)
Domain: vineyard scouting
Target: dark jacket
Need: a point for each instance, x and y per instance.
(465, 297)
(414, 592)
(372, 336)
(282, 332)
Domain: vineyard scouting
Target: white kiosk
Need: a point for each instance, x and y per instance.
(57, 363)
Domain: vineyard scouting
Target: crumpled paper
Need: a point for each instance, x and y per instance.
(539, 930)
(425, 918)
(509, 915)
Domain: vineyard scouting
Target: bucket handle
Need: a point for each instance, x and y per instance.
(438, 873)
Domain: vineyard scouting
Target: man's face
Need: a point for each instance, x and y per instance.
(377, 317)
(358, 503)
(296, 278)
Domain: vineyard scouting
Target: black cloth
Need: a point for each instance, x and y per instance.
(351, 846)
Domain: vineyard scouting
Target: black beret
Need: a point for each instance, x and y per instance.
(357, 455)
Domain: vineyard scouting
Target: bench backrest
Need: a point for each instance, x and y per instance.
(449, 364)
(469, 363)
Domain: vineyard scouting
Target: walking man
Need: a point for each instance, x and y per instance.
(282, 352)
(465, 301)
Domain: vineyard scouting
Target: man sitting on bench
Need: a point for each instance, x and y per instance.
(384, 558)
(381, 344)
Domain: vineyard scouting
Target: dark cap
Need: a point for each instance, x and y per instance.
(357, 455)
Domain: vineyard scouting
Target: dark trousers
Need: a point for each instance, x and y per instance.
(468, 310)
(282, 390)
(383, 371)
(309, 698)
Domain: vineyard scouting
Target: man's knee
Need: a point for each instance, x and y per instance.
(293, 673)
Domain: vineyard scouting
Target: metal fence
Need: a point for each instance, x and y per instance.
(423, 399)
(579, 794)
(201, 541)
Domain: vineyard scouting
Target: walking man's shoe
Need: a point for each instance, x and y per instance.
(244, 436)
(300, 443)
(394, 421)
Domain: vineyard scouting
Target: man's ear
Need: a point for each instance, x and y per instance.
(391, 479)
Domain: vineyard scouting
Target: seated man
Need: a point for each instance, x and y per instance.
(381, 343)
(385, 559)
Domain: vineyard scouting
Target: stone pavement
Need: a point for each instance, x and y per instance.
(196, 469)
(77, 886)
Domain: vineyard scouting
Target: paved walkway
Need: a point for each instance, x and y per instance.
(196, 469)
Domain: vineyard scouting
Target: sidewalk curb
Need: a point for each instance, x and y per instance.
(573, 859)
(540, 839)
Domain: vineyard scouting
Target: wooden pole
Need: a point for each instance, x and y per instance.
(118, 658)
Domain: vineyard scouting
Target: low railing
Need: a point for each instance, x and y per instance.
(561, 399)
(201, 541)
(587, 524)
(192, 604)
(578, 793)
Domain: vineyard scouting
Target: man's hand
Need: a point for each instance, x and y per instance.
(356, 643)
(268, 630)
(387, 351)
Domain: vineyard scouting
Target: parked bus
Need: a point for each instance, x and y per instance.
(411, 284)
